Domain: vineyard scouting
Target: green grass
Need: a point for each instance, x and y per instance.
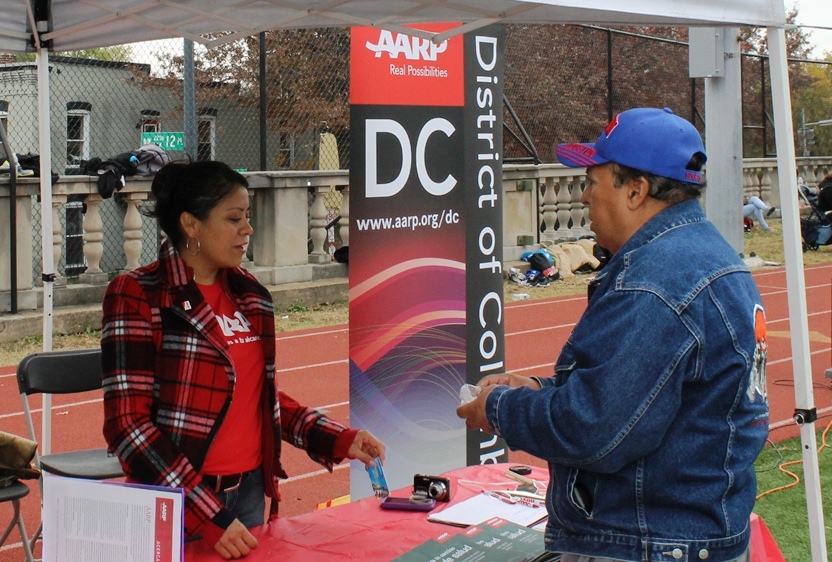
(784, 512)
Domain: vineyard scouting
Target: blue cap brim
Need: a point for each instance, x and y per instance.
(579, 155)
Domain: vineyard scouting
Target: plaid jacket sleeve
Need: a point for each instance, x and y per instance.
(310, 430)
(146, 453)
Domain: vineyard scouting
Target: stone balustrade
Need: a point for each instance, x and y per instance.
(290, 213)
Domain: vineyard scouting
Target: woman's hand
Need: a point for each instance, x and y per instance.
(236, 541)
(366, 447)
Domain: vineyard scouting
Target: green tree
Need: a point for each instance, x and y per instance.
(757, 109)
(814, 103)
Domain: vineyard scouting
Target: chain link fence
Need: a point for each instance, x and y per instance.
(562, 83)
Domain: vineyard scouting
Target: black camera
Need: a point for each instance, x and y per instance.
(434, 487)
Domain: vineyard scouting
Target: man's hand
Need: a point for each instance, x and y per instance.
(366, 447)
(513, 381)
(474, 412)
(235, 542)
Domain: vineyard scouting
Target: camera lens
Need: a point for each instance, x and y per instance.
(437, 490)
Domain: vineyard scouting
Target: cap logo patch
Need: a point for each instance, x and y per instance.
(611, 126)
(583, 150)
(693, 177)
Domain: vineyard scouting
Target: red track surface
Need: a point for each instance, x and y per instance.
(312, 367)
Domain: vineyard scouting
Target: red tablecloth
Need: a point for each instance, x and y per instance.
(363, 531)
(359, 530)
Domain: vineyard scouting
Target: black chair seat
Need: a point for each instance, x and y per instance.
(14, 491)
(90, 464)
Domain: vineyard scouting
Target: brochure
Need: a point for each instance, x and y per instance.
(95, 521)
(494, 540)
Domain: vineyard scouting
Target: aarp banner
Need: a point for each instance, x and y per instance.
(426, 299)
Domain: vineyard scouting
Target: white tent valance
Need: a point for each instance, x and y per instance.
(81, 24)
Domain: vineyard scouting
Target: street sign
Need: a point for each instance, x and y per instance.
(166, 140)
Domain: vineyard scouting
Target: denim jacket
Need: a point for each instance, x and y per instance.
(658, 406)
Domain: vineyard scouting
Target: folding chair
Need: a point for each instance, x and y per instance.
(14, 492)
(65, 372)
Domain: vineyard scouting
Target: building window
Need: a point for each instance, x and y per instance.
(76, 262)
(206, 137)
(77, 133)
(285, 149)
(150, 121)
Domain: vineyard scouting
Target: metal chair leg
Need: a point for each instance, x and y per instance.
(24, 538)
(34, 540)
(27, 547)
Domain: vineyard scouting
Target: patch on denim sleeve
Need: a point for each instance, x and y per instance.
(757, 378)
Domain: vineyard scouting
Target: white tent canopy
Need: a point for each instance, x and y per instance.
(80, 24)
(66, 25)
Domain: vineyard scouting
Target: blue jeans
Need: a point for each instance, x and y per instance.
(566, 557)
(756, 207)
(248, 502)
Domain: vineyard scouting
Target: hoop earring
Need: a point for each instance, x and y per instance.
(198, 246)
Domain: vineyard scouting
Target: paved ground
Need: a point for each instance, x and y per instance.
(312, 367)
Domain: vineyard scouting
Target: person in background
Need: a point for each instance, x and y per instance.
(657, 408)
(754, 206)
(188, 354)
(825, 195)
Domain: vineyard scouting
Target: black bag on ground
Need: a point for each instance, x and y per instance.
(342, 254)
(541, 262)
(601, 254)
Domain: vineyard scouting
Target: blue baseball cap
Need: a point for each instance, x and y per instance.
(647, 139)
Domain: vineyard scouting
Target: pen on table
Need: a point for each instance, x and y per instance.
(502, 496)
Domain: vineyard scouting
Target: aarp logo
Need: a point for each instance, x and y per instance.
(412, 48)
(392, 68)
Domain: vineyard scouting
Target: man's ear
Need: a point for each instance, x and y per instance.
(638, 190)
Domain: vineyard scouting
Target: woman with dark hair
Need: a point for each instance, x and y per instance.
(825, 194)
(188, 353)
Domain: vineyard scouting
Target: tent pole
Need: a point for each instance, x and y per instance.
(723, 137)
(796, 287)
(45, 149)
(11, 158)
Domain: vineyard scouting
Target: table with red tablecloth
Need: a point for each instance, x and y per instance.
(361, 530)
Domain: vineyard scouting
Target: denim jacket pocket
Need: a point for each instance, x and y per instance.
(581, 492)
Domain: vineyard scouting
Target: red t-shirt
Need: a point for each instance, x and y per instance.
(237, 446)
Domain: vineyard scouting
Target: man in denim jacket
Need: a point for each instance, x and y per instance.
(658, 407)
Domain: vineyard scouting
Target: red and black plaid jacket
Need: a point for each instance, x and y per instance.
(168, 381)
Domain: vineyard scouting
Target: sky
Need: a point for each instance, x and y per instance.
(818, 13)
(810, 12)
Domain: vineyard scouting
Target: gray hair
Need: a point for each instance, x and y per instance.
(662, 189)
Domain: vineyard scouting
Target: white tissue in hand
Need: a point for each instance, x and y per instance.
(467, 393)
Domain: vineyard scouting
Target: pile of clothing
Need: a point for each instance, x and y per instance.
(111, 173)
(559, 260)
